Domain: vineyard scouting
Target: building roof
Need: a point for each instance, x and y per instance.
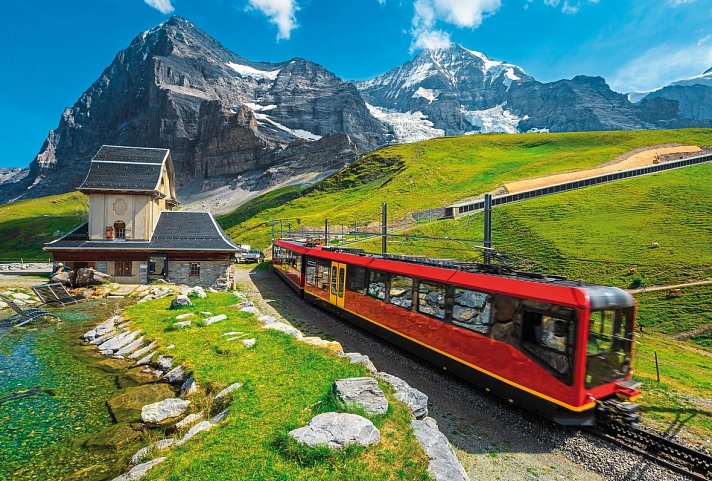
(135, 169)
(175, 231)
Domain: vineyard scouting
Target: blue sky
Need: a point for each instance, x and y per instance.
(54, 50)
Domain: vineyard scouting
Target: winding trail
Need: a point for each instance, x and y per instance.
(494, 440)
(665, 288)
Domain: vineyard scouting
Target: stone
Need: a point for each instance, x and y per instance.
(231, 333)
(443, 465)
(272, 323)
(180, 301)
(127, 406)
(113, 437)
(251, 310)
(165, 410)
(332, 346)
(104, 337)
(206, 313)
(249, 343)
(175, 375)
(164, 363)
(228, 390)
(146, 359)
(337, 431)
(182, 324)
(3, 305)
(214, 319)
(184, 316)
(139, 471)
(220, 416)
(416, 400)
(189, 420)
(198, 428)
(198, 292)
(140, 352)
(20, 296)
(361, 392)
(130, 347)
(188, 387)
(103, 328)
(358, 358)
(119, 341)
(155, 446)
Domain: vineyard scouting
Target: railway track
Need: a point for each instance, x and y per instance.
(658, 447)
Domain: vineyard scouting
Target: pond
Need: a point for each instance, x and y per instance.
(53, 394)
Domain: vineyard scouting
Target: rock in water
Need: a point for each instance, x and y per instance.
(362, 392)
(127, 406)
(180, 301)
(444, 465)
(337, 431)
(165, 410)
(416, 400)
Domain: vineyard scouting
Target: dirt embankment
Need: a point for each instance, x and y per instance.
(635, 158)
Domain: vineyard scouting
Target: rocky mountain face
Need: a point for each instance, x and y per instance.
(693, 96)
(456, 91)
(221, 115)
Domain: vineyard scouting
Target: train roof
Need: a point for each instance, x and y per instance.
(541, 286)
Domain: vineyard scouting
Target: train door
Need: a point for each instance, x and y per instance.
(337, 284)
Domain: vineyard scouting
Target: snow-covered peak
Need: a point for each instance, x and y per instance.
(247, 71)
(703, 79)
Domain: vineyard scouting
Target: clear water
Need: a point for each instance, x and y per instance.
(52, 396)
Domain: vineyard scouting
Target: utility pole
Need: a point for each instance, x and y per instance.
(326, 232)
(281, 234)
(272, 231)
(488, 229)
(384, 229)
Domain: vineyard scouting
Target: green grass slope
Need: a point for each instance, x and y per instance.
(26, 225)
(437, 172)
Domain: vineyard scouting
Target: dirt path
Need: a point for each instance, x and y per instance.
(635, 158)
(665, 288)
(494, 440)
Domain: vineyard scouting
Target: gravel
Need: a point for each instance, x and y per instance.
(494, 440)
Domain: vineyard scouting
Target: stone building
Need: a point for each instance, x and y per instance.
(133, 233)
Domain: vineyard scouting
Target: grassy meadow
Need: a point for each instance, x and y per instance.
(26, 225)
(285, 383)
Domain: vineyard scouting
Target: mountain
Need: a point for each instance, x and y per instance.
(693, 96)
(226, 119)
(455, 91)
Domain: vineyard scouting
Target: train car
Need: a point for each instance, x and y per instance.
(556, 347)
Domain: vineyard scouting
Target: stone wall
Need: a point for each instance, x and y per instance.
(210, 273)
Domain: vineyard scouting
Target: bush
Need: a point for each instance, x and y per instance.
(637, 281)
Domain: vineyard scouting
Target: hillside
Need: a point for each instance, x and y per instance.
(423, 175)
(26, 225)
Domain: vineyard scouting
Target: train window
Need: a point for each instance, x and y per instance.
(471, 309)
(311, 272)
(333, 279)
(298, 262)
(356, 279)
(506, 320)
(548, 334)
(322, 274)
(401, 292)
(608, 351)
(377, 284)
(431, 300)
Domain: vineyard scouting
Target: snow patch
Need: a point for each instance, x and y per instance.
(427, 94)
(302, 134)
(420, 73)
(409, 126)
(247, 71)
(260, 108)
(495, 119)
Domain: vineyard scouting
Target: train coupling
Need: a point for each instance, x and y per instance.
(613, 409)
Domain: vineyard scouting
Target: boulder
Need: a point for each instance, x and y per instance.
(119, 341)
(164, 363)
(130, 347)
(337, 431)
(249, 343)
(139, 471)
(214, 319)
(175, 375)
(189, 420)
(323, 343)
(228, 390)
(155, 446)
(180, 301)
(443, 465)
(162, 411)
(414, 399)
(140, 352)
(113, 437)
(358, 358)
(200, 427)
(127, 406)
(198, 292)
(361, 392)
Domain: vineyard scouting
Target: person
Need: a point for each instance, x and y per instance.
(58, 267)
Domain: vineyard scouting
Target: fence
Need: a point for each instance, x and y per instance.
(461, 209)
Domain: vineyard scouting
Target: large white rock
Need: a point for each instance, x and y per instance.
(362, 392)
(198, 428)
(416, 400)
(130, 347)
(180, 301)
(214, 319)
(139, 353)
(337, 431)
(119, 341)
(251, 310)
(175, 375)
(163, 410)
(443, 465)
(272, 323)
(139, 471)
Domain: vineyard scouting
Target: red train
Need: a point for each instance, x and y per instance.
(555, 347)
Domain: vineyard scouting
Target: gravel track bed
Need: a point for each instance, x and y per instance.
(494, 440)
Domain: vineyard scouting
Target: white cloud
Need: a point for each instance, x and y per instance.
(280, 12)
(461, 13)
(663, 64)
(677, 3)
(572, 7)
(163, 6)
